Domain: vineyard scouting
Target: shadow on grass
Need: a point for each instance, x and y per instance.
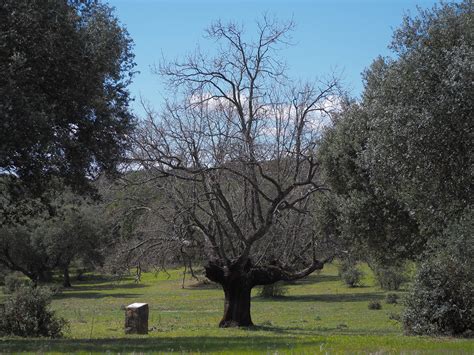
(341, 329)
(101, 279)
(100, 287)
(314, 278)
(203, 285)
(167, 344)
(96, 295)
(342, 297)
(104, 287)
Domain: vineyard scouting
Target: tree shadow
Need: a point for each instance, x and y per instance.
(99, 287)
(104, 287)
(96, 295)
(100, 279)
(156, 344)
(342, 297)
(341, 329)
(203, 285)
(314, 278)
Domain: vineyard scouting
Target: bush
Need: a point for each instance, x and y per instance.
(392, 298)
(26, 313)
(441, 301)
(394, 316)
(375, 305)
(277, 289)
(13, 281)
(350, 274)
(390, 277)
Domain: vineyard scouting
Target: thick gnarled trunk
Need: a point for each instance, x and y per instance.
(237, 285)
(237, 281)
(236, 305)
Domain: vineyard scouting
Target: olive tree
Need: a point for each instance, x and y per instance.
(402, 160)
(372, 225)
(420, 105)
(44, 244)
(233, 154)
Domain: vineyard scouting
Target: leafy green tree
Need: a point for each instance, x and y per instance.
(64, 69)
(421, 116)
(401, 163)
(76, 233)
(19, 251)
(400, 160)
(368, 223)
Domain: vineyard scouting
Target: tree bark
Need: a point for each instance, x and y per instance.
(237, 285)
(236, 305)
(66, 278)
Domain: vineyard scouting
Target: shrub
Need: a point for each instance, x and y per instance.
(26, 313)
(350, 274)
(441, 300)
(392, 298)
(394, 316)
(278, 289)
(13, 281)
(390, 277)
(375, 305)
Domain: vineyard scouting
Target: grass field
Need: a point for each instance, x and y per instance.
(318, 315)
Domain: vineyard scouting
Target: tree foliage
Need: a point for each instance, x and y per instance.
(421, 124)
(64, 69)
(400, 161)
(441, 301)
(371, 224)
(26, 313)
(48, 243)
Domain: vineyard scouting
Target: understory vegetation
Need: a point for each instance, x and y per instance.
(27, 313)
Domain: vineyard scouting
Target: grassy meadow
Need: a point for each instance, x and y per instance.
(318, 315)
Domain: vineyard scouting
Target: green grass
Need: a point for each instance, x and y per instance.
(318, 315)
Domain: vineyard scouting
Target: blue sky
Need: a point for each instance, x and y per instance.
(338, 35)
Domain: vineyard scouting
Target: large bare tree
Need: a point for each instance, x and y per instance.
(233, 154)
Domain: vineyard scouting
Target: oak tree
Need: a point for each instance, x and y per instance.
(64, 71)
(233, 156)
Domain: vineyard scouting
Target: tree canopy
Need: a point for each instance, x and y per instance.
(64, 71)
(400, 163)
(401, 159)
(421, 115)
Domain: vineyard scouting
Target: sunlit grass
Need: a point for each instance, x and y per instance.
(318, 315)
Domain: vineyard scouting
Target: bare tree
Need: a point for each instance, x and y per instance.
(234, 155)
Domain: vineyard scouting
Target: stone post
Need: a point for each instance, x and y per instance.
(136, 318)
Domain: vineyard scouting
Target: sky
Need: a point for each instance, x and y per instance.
(342, 36)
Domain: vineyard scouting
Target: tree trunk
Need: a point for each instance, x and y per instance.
(239, 278)
(236, 305)
(66, 278)
(237, 285)
(43, 276)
